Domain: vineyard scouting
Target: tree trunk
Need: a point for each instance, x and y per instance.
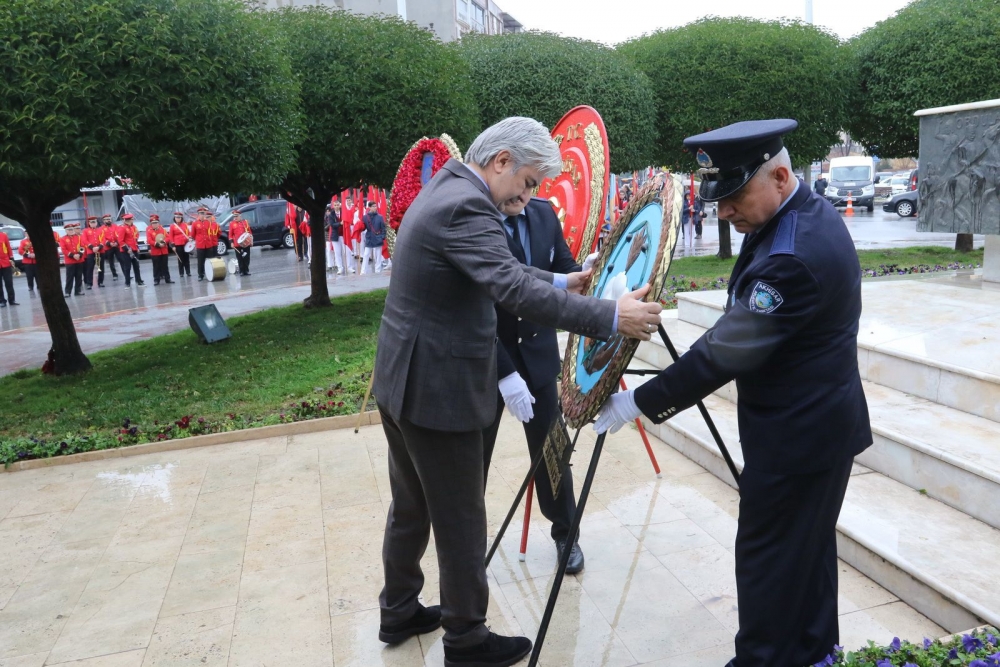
(725, 242)
(319, 296)
(963, 242)
(67, 355)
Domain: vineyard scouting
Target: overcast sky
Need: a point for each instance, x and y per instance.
(613, 21)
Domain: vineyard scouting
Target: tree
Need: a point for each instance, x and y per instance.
(543, 76)
(931, 53)
(718, 71)
(370, 87)
(186, 97)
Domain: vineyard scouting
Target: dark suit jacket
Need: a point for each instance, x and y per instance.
(436, 359)
(527, 347)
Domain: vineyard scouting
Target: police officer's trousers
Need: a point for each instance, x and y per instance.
(786, 566)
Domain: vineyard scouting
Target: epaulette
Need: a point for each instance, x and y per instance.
(784, 237)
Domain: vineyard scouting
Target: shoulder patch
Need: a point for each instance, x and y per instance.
(764, 298)
(784, 237)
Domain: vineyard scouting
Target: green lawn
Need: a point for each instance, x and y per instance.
(281, 365)
(274, 359)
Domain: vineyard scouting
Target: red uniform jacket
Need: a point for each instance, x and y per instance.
(109, 233)
(237, 228)
(91, 237)
(6, 252)
(180, 232)
(128, 235)
(151, 233)
(71, 247)
(26, 249)
(206, 234)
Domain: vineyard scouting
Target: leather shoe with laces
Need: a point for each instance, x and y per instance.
(427, 619)
(575, 565)
(495, 651)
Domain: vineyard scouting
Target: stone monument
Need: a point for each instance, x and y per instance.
(959, 181)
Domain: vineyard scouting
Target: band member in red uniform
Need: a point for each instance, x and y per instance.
(305, 233)
(128, 250)
(27, 251)
(7, 271)
(206, 239)
(237, 228)
(180, 234)
(92, 242)
(159, 250)
(74, 254)
(109, 256)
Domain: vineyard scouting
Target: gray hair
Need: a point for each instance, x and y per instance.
(526, 139)
(782, 159)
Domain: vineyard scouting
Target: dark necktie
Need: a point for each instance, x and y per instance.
(516, 236)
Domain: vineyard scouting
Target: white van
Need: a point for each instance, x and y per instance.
(852, 176)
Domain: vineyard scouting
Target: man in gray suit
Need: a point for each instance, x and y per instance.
(436, 382)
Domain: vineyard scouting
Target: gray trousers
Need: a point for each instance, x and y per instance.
(436, 478)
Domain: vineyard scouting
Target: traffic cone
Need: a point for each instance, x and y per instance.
(850, 206)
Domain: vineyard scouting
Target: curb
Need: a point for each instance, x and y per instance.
(369, 418)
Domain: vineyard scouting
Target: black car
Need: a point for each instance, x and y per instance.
(267, 222)
(904, 204)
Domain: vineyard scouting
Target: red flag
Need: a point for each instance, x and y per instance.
(382, 203)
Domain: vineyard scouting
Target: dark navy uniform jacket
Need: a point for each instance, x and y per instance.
(789, 337)
(529, 348)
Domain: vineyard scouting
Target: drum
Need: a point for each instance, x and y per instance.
(233, 266)
(189, 247)
(160, 239)
(245, 240)
(215, 268)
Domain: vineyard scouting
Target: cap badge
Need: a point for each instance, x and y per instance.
(704, 161)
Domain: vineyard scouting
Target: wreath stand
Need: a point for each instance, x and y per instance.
(582, 503)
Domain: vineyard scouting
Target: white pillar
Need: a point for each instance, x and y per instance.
(991, 259)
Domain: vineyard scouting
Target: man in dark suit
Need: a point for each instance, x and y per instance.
(528, 361)
(789, 337)
(436, 378)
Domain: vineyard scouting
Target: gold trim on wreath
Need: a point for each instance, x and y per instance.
(579, 408)
(595, 151)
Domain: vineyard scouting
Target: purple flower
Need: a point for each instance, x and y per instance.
(952, 654)
(895, 645)
(885, 662)
(910, 664)
(994, 660)
(825, 662)
(991, 639)
(927, 643)
(971, 644)
(978, 663)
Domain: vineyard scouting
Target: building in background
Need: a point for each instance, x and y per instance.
(448, 19)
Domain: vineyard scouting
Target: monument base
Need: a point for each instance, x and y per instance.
(991, 259)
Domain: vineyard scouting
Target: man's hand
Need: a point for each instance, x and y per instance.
(576, 282)
(618, 411)
(588, 263)
(638, 319)
(516, 397)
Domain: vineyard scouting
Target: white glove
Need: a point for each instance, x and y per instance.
(619, 410)
(516, 397)
(589, 262)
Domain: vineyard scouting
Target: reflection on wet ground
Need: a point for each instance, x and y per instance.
(268, 552)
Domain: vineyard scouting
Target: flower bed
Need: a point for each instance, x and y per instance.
(979, 648)
(329, 403)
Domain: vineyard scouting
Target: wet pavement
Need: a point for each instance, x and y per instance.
(870, 231)
(114, 315)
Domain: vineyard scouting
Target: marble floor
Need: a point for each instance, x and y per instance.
(268, 553)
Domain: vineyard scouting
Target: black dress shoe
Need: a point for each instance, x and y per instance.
(575, 565)
(427, 619)
(79, 293)
(3, 304)
(139, 282)
(169, 282)
(90, 287)
(200, 278)
(496, 651)
(155, 282)
(68, 295)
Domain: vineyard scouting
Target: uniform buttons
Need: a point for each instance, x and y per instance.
(519, 340)
(519, 319)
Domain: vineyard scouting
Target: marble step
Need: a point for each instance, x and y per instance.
(950, 455)
(935, 558)
(935, 341)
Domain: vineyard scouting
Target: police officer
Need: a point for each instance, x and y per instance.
(528, 361)
(789, 338)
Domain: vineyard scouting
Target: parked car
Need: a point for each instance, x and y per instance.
(900, 183)
(852, 178)
(267, 222)
(143, 246)
(904, 204)
(914, 180)
(15, 234)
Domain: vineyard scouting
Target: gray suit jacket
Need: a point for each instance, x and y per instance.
(436, 360)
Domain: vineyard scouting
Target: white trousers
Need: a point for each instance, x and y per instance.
(339, 252)
(375, 255)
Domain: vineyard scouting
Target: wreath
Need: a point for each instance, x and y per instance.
(409, 177)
